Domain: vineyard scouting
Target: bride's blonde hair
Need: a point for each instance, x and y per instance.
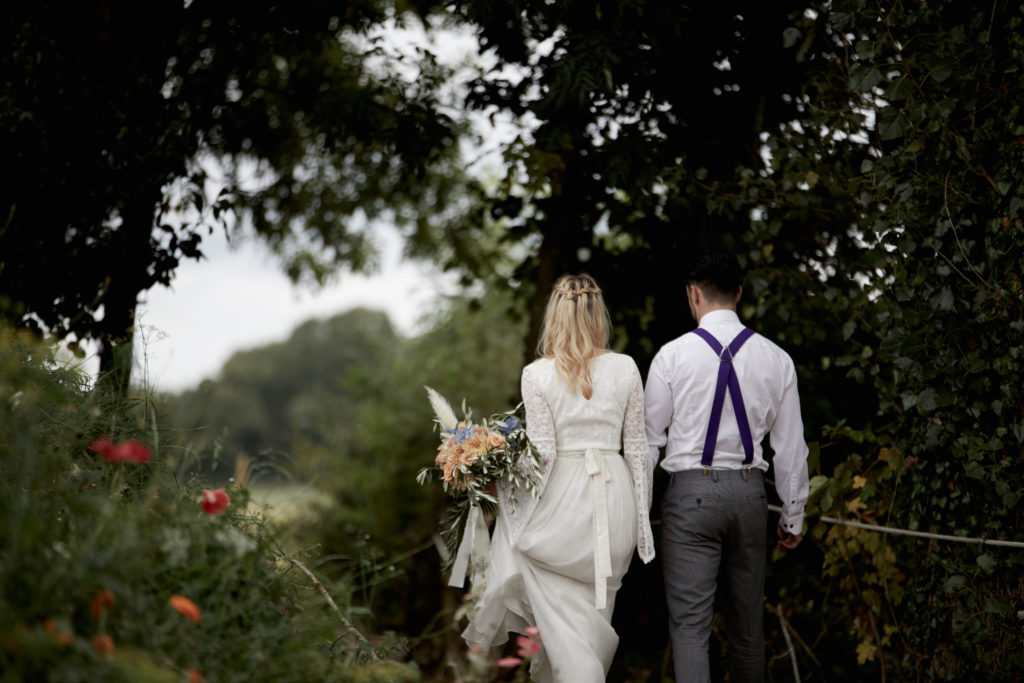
(576, 329)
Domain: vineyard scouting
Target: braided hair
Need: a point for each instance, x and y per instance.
(576, 329)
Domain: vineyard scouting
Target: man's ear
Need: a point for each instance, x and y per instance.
(739, 293)
(694, 293)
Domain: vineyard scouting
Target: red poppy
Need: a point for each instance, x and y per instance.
(194, 676)
(215, 502)
(128, 451)
(186, 607)
(103, 643)
(102, 445)
(103, 600)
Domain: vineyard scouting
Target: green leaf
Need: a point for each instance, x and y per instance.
(942, 72)
(790, 36)
(864, 77)
(997, 606)
(987, 562)
(891, 123)
(926, 400)
(900, 89)
(954, 583)
(974, 470)
(945, 299)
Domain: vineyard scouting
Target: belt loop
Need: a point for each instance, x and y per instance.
(714, 476)
(745, 473)
(671, 478)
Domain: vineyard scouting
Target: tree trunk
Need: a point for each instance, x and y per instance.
(130, 256)
(562, 234)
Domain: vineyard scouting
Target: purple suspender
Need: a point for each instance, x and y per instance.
(727, 377)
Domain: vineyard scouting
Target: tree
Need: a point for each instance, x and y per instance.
(932, 324)
(119, 121)
(862, 160)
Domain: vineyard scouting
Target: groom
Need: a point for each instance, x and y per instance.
(714, 512)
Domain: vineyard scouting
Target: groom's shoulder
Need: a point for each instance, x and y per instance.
(772, 352)
(768, 345)
(678, 343)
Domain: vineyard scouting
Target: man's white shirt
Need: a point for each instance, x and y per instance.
(681, 387)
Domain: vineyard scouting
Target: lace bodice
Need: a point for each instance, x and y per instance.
(560, 419)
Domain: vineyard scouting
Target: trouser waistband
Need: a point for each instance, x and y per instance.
(709, 474)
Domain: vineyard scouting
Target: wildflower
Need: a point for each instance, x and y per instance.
(194, 676)
(510, 425)
(63, 636)
(103, 600)
(533, 632)
(101, 445)
(462, 433)
(128, 451)
(215, 502)
(528, 647)
(103, 643)
(186, 608)
(509, 662)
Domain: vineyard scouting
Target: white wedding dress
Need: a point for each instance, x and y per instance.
(556, 561)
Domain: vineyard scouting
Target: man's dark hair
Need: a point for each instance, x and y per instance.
(717, 273)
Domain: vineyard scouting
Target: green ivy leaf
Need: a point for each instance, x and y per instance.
(954, 583)
(864, 77)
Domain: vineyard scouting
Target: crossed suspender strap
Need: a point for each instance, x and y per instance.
(727, 378)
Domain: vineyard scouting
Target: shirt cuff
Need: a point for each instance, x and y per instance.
(792, 521)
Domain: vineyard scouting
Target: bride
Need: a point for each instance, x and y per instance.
(556, 561)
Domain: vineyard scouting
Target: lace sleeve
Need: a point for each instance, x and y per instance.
(636, 451)
(540, 428)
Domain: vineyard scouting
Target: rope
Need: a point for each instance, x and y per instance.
(919, 534)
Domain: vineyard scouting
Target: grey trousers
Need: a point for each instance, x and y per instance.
(714, 527)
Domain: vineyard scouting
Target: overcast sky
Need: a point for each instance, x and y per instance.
(240, 298)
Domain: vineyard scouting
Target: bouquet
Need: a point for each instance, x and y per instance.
(471, 459)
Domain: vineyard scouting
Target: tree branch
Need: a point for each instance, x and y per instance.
(330, 601)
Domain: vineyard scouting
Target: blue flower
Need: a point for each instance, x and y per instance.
(511, 424)
(462, 434)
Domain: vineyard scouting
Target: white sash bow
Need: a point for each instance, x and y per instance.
(599, 479)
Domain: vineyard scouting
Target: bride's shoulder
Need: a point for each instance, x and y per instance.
(619, 362)
(539, 367)
(620, 358)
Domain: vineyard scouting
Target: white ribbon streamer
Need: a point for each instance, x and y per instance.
(476, 541)
(602, 542)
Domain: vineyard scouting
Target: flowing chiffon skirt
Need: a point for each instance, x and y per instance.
(547, 579)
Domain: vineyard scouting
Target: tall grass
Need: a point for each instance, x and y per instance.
(91, 553)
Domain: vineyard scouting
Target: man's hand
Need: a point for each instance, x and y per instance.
(788, 541)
